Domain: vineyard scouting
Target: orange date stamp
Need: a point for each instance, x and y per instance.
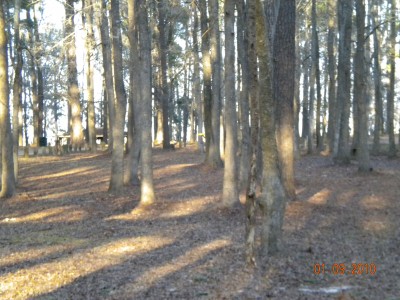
(345, 269)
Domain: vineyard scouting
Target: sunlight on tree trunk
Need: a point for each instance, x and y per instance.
(6, 140)
(230, 190)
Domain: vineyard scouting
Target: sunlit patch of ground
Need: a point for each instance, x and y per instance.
(65, 237)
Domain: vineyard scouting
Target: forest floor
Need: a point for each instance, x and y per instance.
(63, 236)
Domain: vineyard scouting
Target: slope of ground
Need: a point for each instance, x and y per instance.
(65, 237)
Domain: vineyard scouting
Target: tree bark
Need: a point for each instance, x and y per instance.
(341, 145)
(284, 67)
(360, 95)
(162, 23)
(272, 200)
(147, 195)
(17, 85)
(117, 157)
(132, 169)
(6, 139)
(73, 88)
(244, 93)
(107, 67)
(378, 121)
(214, 154)
(390, 93)
(230, 194)
(89, 45)
(331, 73)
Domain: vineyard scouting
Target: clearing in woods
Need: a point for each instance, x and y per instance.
(65, 237)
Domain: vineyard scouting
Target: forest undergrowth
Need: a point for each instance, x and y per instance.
(63, 236)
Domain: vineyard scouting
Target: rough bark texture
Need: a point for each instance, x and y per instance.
(117, 162)
(378, 121)
(390, 94)
(360, 95)
(251, 196)
(331, 72)
(230, 194)
(196, 80)
(164, 89)
(341, 145)
(7, 164)
(90, 44)
(73, 88)
(132, 168)
(273, 198)
(284, 68)
(214, 154)
(107, 67)
(17, 84)
(206, 60)
(244, 93)
(147, 195)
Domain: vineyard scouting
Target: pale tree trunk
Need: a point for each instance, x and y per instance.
(73, 88)
(206, 60)
(196, 80)
(147, 195)
(89, 45)
(17, 85)
(244, 108)
(360, 90)
(230, 194)
(117, 157)
(107, 67)
(378, 122)
(6, 144)
(331, 72)
(214, 154)
(284, 67)
(316, 72)
(341, 145)
(34, 83)
(251, 192)
(390, 93)
(131, 171)
(162, 23)
(272, 200)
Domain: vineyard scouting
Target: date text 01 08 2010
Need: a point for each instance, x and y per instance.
(343, 269)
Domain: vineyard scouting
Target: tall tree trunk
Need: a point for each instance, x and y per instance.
(34, 83)
(196, 80)
(40, 81)
(272, 200)
(341, 145)
(244, 93)
(73, 88)
(90, 44)
(251, 192)
(6, 144)
(206, 60)
(17, 85)
(131, 171)
(284, 67)
(392, 78)
(162, 23)
(117, 158)
(316, 71)
(378, 122)
(331, 72)
(147, 195)
(107, 66)
(230, 194)
(214, 154)
(360, 92)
